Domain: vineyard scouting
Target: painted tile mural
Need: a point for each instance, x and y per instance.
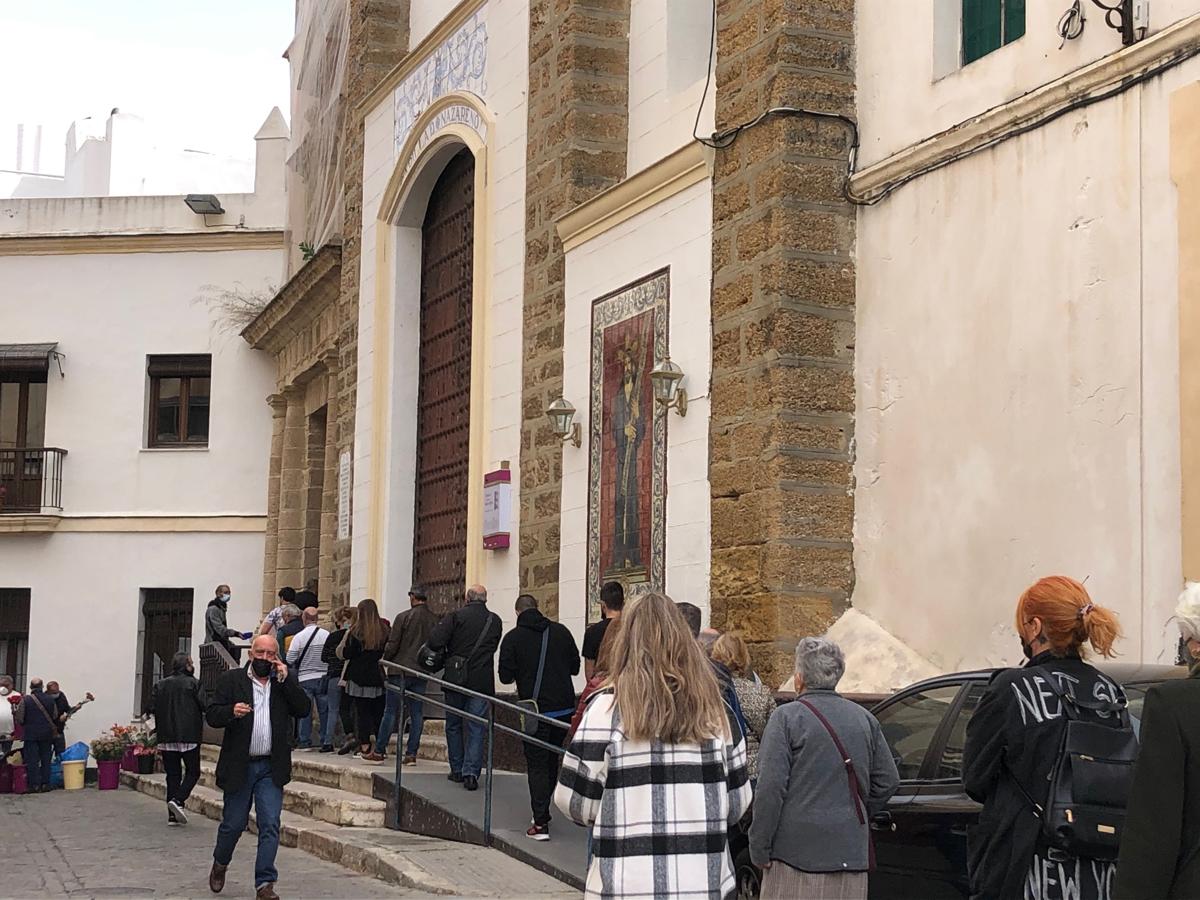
(458, 64)
(628, 449)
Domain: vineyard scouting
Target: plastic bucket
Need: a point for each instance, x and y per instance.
(56, 774)
(20, 783)
(73, 774)
(108, 774)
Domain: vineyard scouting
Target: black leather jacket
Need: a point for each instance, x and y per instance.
(178, 704)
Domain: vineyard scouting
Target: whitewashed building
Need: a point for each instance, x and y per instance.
(133, 429)
(1026, 338)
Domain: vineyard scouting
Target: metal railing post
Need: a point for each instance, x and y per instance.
(487, 796)
(396, 795)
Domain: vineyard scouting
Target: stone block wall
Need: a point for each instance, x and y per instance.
(781, 435)
(378, 42)
(577, 144)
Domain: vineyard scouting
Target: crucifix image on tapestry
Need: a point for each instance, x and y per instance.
(628, 441)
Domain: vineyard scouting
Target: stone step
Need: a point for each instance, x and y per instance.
(371, 851)
(321, 802)
(417, 862)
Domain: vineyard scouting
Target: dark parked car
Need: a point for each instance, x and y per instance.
(921, 841)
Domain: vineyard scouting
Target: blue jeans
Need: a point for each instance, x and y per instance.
(472, 762)
(317, 690)
(416, 715)
(268, 804)
(36, 755)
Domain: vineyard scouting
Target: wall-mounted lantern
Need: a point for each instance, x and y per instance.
(665, 378)
(561, 414)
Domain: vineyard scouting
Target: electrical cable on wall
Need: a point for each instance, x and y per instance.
(1070, 24)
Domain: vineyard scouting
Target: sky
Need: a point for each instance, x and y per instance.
(204, 75)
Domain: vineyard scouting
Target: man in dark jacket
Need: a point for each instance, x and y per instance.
(178, 703)
(255, 706)
(37, 713)
(472, 633)
(541, 656)
(410, 630)
(216, 624)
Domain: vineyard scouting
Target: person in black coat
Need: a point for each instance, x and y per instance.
(178, 703)
(37, 713)
(255, 706)
(1013, 741)
(362, 648)
(539, 644)
(1159, 845)
(473, 633)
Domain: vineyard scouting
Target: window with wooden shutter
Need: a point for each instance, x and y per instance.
(988, 25)
(180, 387)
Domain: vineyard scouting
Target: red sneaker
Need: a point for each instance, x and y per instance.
(538, 832)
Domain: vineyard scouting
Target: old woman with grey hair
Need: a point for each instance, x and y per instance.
(1162, 819)
(824, 771)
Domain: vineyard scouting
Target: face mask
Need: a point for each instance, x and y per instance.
(1026, 648)
(53, 696)
(224, 598)
(262, 667)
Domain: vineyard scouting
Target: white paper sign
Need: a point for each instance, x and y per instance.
(343, 528)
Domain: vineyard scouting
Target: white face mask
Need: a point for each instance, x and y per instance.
(224, 597)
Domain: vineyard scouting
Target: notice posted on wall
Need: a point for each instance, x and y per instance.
(343, 528)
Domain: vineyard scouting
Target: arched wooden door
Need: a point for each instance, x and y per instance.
(444, 386)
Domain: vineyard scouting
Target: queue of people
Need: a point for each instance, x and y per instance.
(670, 710)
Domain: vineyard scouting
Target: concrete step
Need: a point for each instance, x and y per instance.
(320, 802)
(409, 860)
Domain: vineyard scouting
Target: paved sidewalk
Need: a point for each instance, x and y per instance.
(116, 844)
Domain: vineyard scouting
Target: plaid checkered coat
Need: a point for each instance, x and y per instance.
(661, 813)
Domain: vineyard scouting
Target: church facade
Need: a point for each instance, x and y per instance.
(626, 289)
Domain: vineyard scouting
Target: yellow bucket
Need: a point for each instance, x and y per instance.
(73, 775)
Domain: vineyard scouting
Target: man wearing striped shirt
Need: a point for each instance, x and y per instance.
(304, 655)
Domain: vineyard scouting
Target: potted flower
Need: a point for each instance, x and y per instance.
(145, 750)
(108, 749)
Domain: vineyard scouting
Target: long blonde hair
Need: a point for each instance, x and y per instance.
(664, 686)
(369, 627)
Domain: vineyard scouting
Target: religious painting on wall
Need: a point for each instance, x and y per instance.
(628, 443)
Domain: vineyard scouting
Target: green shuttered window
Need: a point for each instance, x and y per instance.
(988, 25)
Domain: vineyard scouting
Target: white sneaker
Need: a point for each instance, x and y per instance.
(176, 809)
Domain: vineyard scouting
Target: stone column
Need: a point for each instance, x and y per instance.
(289, 562)
(329, 497)
(783, 327)
(271, 549)
(578, 133)
(378, 40)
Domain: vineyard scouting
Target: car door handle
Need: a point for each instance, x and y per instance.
(882, 822)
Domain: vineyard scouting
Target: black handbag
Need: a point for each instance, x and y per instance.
(457, 666)
(429, 659)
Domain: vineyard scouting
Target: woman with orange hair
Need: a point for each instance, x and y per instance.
(1014, 738)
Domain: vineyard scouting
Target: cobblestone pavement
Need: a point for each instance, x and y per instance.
(116, 844)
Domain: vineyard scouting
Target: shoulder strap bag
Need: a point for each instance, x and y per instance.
(529, 724)
(42, 710)
(304, 652)
(458, 666)
(857, 800)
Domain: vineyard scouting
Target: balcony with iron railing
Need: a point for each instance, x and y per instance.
(30, 488)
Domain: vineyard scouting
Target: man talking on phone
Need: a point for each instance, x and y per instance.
(255, 706)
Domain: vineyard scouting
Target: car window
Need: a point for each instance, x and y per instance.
(910, 723)
(950, 765)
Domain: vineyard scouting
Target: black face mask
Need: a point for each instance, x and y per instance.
(262, 667)
(1027, 648)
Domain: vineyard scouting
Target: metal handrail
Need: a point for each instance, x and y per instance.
(406, 672)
